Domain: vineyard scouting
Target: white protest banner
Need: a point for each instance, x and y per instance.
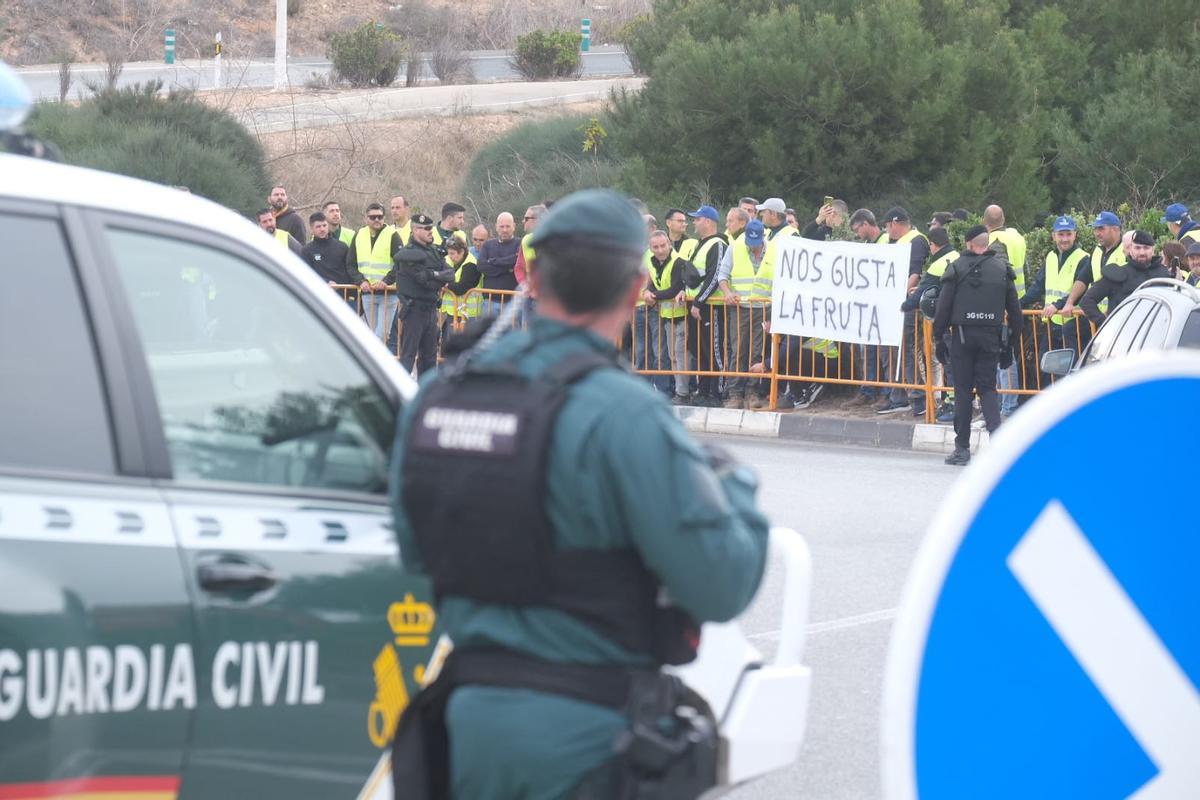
(843, 291)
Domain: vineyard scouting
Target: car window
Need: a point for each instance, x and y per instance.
(52, 409)
(1155, 329)
(1114, 337)
(1190, 335)
(251, 386)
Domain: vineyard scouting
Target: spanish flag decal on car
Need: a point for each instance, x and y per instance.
(109, 787)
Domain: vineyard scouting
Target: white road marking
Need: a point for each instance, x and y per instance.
(842, 623)
(1098, 622)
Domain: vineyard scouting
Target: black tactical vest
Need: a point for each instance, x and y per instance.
(980, 291)
(474, 486)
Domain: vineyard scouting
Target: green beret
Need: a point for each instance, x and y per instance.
(601, 217)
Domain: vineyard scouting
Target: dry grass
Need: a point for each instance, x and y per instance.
(425, 159)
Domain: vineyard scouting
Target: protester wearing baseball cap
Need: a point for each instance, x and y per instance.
(705, 319)
(1181, 224)
(745, 286)
(1117, 282)
(1193, 262)
(900, 230)
(1108, 250)
(1062, 264)
(1064, 223)
(773, 213)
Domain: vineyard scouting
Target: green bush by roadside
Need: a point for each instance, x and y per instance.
(172, 139)
(546, 55)
(369, 55)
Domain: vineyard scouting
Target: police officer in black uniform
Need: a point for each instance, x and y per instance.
(1118, 281)
(977, 290)
(420, 272)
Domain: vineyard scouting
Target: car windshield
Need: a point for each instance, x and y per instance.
(1138, 324)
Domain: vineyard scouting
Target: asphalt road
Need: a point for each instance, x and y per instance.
(487, 65)
(863, 513)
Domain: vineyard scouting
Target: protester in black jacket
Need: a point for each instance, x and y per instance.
(1118, 281)
(327, 257)
(285, 218)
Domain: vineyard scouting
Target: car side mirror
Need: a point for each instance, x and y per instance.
(1058, 362)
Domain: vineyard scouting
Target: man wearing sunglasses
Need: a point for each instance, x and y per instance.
(375, 245)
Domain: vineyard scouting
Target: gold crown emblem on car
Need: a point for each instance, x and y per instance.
(411, 621)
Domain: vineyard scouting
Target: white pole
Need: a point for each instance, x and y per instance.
(217, 63)
(280, 44)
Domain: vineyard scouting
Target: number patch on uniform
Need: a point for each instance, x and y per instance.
(466, 430)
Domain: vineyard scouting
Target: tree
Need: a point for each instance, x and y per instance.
(1133, 143)
(172, 139)
(1032, 104)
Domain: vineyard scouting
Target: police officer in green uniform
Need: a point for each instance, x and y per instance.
(575, 535)
(977, 290)
(420, 272)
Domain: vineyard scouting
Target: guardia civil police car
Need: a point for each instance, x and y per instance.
(1162, 314)
(200, 589)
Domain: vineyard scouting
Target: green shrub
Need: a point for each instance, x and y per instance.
(172, 139)
(369, 55)
(629, 36)
(544, 55)
(293, 7)
(535, 162)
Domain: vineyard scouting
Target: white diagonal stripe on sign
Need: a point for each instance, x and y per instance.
(1090, 611)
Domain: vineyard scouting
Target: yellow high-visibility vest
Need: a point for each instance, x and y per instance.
(528, 253)
(1099, 259)
(468, 304)
(437, 236)
(744, 280)
(700, 261)
(404, 232)
(1060, 278)
(374, 260)
(667, 309)
(1014, 243)
(687, 248)
(937, 268)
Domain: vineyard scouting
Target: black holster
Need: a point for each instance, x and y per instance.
(669, 751)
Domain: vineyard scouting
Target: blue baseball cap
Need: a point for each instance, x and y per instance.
(1106, 218)
(754, 233)
(1176, 212)
(708, 212)
(1064, 223)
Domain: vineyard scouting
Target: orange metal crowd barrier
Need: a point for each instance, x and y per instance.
(769, 360)
(718, 348)
(378, 309)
